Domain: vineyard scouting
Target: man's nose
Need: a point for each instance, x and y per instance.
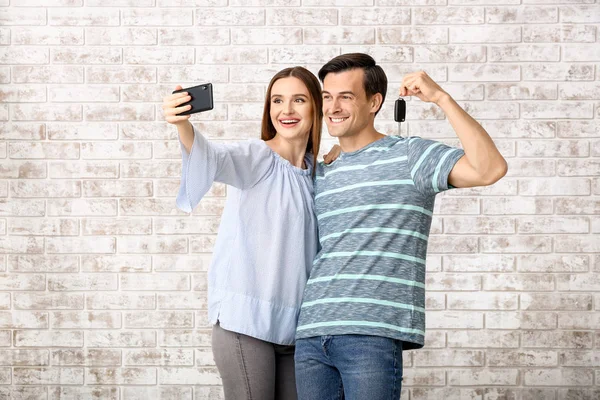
(335, 106)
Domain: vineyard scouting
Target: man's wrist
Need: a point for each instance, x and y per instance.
(443, 100)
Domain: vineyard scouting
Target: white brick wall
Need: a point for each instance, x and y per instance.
(103, 280)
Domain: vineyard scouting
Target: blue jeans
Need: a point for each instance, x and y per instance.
(348, 367)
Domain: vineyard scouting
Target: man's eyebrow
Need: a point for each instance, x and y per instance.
(345, 92)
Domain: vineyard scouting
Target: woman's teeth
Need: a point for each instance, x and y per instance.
(290, 121)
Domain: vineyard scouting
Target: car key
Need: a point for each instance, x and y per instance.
(399, 112)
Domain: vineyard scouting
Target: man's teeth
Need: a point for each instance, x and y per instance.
(338, 119)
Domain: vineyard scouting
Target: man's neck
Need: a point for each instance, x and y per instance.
(360, 140)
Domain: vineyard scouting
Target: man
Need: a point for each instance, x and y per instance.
(365, 300)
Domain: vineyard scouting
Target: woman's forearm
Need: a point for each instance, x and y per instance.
(186, 134)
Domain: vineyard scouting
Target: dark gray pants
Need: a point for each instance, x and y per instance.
(252, 369)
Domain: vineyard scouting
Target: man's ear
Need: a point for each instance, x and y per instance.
(376, 102)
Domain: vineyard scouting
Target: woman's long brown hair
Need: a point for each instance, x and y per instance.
(314, 89)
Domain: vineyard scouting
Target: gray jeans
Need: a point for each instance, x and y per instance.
(252, 369)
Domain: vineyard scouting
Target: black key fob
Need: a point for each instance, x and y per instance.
(400, 110)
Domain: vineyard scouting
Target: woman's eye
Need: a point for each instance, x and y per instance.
(300, 100)
(277, 101)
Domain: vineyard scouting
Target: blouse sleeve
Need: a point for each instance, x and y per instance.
(241, 165)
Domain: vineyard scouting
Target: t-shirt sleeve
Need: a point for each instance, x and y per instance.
(430, 163)
(241, 165)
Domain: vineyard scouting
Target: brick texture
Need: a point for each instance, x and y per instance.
(103, 280)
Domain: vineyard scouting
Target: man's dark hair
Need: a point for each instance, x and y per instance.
(375, 80)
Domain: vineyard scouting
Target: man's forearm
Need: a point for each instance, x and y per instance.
(480, 150)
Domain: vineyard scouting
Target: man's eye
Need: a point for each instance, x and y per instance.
(346, 97)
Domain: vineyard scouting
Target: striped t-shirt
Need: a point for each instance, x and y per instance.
(374, 209)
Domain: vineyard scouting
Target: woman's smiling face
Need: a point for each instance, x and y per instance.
(291, 108)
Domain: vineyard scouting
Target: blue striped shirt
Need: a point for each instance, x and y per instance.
(374, 208)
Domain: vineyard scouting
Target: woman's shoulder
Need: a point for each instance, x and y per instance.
(250, 148)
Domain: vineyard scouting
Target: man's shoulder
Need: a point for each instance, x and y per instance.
(390, 149)
(320, 168)
(389, 145)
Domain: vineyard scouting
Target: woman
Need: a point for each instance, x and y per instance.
(268, 234)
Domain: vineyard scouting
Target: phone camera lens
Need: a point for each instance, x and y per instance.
(203, 87)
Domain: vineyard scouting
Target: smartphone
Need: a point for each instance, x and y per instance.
(202, 98)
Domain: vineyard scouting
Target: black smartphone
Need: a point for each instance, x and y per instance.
(202, 98)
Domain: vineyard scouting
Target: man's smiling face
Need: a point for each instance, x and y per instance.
(346, 109)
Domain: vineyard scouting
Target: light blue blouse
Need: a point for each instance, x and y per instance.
(267, 239)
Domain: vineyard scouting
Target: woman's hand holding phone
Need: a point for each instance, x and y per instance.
(172, 105)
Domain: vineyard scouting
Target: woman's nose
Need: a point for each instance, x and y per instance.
(288, 109)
